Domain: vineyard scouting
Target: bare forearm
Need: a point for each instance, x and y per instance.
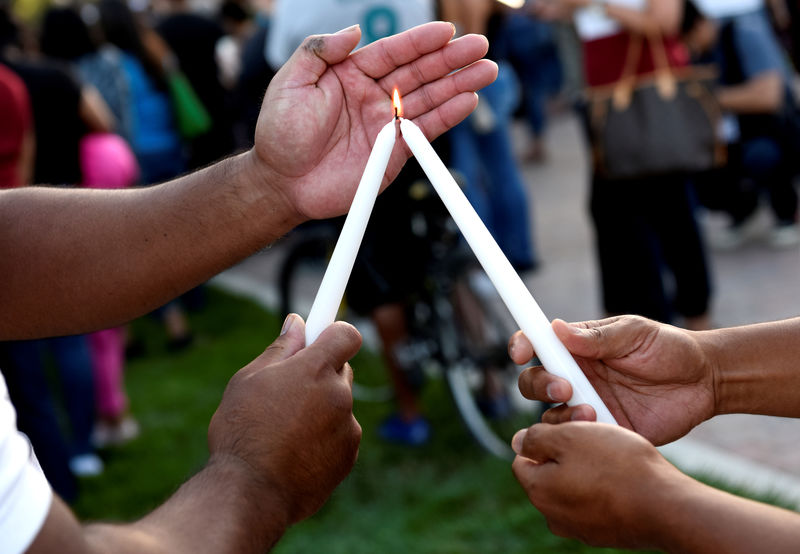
(757, 368)
(763, 94)
(700, 519)
(221, 509)
(76, 260)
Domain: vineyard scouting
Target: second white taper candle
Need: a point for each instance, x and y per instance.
(523, 307)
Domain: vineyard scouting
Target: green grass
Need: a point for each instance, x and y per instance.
(448, 496)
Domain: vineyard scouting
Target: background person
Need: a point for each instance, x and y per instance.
(650, 253)
(755, 91)
(606, 485)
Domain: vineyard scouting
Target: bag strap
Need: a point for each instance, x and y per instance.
(665, 80)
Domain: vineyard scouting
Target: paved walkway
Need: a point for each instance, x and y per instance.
(751, 284)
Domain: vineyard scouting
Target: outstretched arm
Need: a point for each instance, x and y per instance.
(661, 381)
(283, 437)
(76, 260)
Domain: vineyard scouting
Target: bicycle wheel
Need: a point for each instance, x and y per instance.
(483, 379)
(299, 279)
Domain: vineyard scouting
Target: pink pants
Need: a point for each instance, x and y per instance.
(108, 361)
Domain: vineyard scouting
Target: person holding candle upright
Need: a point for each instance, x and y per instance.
(608, 485)
(284, 435)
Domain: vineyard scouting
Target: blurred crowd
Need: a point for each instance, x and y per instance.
(114, 94)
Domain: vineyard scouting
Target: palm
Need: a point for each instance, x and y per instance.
(652, 390)
(325, 107)
(333, 127)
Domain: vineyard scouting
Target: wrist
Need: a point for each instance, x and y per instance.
(262, 510)
(673, 513)
(261, 189)
(713, 346)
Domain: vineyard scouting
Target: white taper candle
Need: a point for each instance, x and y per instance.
(523, 307)
(329, 296)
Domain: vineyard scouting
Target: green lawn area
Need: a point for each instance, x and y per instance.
(448, 496)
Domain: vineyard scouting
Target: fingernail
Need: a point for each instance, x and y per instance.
(582, 415)
(287, 324)
(348, 29)
(516, 442)
(550, 391)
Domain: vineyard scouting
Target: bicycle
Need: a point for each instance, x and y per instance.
(458, 326)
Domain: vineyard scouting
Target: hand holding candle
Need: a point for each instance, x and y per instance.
(526, 312)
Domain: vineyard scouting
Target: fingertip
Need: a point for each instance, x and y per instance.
(583, 412)
(520, 349)
(518, 440)
(558, 390)
(562, 326)
(350, 29)
(292, 321)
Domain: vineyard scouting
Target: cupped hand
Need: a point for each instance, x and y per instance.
(599, 483)
(324, 108)
(654, 378)
(288, 416)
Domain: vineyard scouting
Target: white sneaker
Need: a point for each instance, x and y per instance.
(734, 236)
(784, 236)
(86, 465)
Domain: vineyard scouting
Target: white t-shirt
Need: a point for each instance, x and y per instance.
(716, 9)
(294, 20)
(25, 494)
(592, 22)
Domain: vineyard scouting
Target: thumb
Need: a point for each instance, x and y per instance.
(317, 52)
(539, 443)
(595, 340)
(291, 340)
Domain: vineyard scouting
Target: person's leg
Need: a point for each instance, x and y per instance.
(682, 243)
(23, 368)
(510, 221)
(108, 360)
(464, 158)
(77, 381)
(509, 215)
(628, 252)
(390, 322)
(767, 164)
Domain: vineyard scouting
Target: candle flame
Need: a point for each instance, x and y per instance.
(516, 4)
(397, 105)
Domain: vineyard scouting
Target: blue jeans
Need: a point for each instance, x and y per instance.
(36, 408)
(494, 185)
(529, 45)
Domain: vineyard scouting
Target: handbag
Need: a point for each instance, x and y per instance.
(652, 124)
(190, 113)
